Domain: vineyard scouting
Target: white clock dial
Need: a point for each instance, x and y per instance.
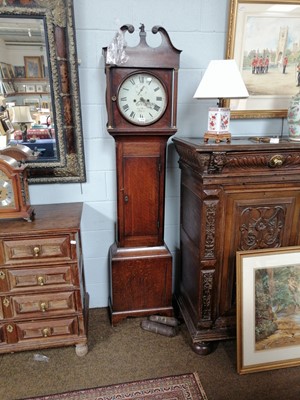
(142, 98)
(6, 193)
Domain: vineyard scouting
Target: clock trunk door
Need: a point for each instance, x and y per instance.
(140, 194)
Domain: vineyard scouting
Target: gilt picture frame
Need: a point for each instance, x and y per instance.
(33, 67)
(266, 30)
(268, 309)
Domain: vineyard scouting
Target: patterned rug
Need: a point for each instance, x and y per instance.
(180, 387)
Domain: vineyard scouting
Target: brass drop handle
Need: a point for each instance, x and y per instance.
(43, 306)
(46, 332)
(2, 275)
(41, 280)
(36, 251)
(276, 161)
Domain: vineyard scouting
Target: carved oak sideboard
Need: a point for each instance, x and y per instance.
(234, 196)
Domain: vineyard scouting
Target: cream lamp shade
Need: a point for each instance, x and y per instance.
(21, 114)
(221, 80)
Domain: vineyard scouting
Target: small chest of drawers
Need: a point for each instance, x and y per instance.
(43, 301)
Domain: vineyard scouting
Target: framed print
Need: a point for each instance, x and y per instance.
(45, 105)
(30, 88)
(263, 38)
(19, 71)
(32, 103)
(39, 88)
(33, 67)
(21, 88)
(9, 126)
(2, 127)
(5, 71)
(268, 309)
(11, 70)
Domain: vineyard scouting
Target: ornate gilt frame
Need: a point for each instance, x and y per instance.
(58, 17)
(232, 53)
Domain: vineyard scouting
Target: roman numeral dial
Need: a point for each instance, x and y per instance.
(6, 192)
(142, 99)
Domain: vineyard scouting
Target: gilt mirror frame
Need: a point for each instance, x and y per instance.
(58, 16)
(267, 99)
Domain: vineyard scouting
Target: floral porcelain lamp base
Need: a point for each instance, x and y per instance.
(218, 125)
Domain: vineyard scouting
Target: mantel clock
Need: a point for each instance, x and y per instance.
(14, 194)
(141, 100)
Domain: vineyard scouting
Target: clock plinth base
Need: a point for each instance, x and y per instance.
(141, 282)
(27, 215)
(217, 136)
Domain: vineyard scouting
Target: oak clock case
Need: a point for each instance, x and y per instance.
(14, 194)
(141, 100)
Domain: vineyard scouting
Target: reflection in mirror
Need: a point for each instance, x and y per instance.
(39, 89)
(25, 86)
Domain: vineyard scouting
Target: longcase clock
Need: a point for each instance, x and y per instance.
(141, 100)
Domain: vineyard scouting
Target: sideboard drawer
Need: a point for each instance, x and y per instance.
(36, 249)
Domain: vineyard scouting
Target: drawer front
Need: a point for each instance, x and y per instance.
(36, 249)
(57, 277)
(38, 305)
(44, 330)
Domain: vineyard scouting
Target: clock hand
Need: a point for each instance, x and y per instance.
(141, 90)
(146, 103)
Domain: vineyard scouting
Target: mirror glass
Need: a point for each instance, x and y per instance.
(25, 86)
(39, 89)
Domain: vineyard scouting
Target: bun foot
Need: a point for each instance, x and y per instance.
(204, 348)
(81, 350)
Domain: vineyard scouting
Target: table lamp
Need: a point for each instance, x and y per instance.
(22, 116)
(221, 80)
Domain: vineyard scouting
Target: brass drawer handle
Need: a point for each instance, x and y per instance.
(9, 328)
(41, 280)
(2, 275)
(46, 332)
(43, 306)
(276, 161)
(36, 251)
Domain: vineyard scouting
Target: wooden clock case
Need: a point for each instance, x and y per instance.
(16, 172)
(140, 262)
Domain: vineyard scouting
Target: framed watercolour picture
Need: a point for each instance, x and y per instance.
(33, 67)
(268, 309)
(263, 38)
